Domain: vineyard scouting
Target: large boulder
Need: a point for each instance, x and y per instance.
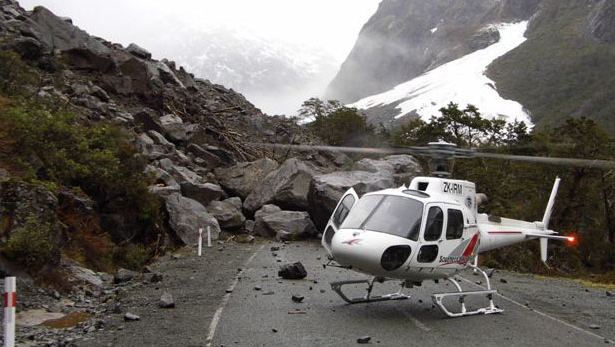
(260, 214)
(403, 167)
(148, 120)
(243, 178)
(165, 183)
(290, 224)
(60, 34)
(373, 165)
(287, 187)
(227, 214)
(204, 193)
(326, 190)
(210, 160)
(82, 50)
(173, 127)
(139, 51)
(181, 174)
(186, 216)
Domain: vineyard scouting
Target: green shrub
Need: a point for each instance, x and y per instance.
(337, 124)
(31, 245)
(53, 148)
(14, 73)
(132, 257)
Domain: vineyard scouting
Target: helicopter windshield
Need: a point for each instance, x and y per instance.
(389, 214)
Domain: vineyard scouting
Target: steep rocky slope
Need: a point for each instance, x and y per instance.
(563, 69)
(197, 140)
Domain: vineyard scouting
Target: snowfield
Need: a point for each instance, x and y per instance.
(461, 81)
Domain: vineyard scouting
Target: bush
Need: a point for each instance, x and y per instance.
(132, 257)
(14, 73)
(53, 148)
(337, 124)
(32, 244)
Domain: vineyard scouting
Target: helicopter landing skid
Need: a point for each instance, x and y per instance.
(337, 287)
(437, 298)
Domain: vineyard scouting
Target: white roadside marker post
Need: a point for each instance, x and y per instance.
(10, 295)
(208, 237)
(200, 251)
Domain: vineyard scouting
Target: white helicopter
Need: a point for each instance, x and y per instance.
(430, 230)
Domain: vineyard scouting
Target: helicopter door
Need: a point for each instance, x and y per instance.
(430, 248)
(348, 200)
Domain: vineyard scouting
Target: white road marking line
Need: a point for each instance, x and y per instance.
(542, 313)
(216, 318)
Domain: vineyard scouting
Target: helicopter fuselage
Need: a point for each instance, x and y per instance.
(429, 230)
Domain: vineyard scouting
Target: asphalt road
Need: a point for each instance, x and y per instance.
(538, 311)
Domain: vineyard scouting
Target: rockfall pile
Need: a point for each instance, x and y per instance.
(199, 139)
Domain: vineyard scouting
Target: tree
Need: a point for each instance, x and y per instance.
(337, 124)
(314, 108)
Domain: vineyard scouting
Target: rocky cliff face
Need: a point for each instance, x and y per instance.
(407, 38)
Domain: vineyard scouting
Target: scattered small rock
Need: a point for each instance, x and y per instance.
(257, 288)
(275, 249)
(268, 293)
(594, 326)
(156, 277)
(610, 293)
(297, 298)
(123, 276)
(490, 272)
(175, 256)
(166, 301)
(274, 330)
(479, 282)
(503, 280)
(294, 271)
(364, 340)
(129, 317)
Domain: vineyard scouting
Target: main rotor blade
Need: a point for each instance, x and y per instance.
(360, 150)
(427, 151)
(589, 163)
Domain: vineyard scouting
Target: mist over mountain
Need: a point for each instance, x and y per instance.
(277, 76)
(563, 68)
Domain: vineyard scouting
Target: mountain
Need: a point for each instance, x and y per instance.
(563, 68)
(277, 76)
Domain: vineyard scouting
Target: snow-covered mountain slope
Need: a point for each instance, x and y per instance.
(461, 81)
(276, 76)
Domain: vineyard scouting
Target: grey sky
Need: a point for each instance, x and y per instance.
(332, 25)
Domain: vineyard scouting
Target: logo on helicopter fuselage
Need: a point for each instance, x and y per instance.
(352, 242)
(453, 188)
(454, 260)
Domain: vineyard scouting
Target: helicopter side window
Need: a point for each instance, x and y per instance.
(342, 211)
(435, 222)
(454, 227)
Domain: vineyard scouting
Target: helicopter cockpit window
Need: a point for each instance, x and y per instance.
(342, 211)
(454, 227)
(435, 222)
(388, 214)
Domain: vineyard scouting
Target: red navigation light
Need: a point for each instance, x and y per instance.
(571, 239)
